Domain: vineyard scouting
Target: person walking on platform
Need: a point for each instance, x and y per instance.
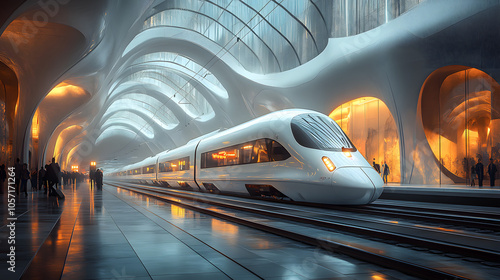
(376, 166)
(53, 175)
(386, 171)
(34, 180)
(25, 176)
(472, 175)
(98, 178)
(480, 173)
(42, 179)
(492, 170)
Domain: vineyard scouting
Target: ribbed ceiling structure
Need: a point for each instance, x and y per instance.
(135, 78)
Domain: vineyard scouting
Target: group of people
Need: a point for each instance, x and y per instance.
(96, 178)
(477, 172)
(48, 176)
(72, 177)
(384, 171)
(44, 179)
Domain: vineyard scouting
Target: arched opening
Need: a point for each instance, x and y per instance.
(460, 109)
(371, 127)
(9, 93)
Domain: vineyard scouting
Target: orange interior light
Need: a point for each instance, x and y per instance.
(347, 154)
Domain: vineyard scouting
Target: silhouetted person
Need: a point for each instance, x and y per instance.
(53, 175)
(34, 180)
(41, 178)
(376, 166)
(98, 178)
(3, 177)
(386, 171)
(472, 175)
(480, 173)
(92, 177)
(492, 170)
(25, 176)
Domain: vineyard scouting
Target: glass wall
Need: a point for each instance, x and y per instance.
(351, 17)
(371, 127)
(461, 119)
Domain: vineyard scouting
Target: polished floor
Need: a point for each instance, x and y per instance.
(116, 234)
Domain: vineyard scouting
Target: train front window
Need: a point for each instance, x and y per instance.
(319, 132)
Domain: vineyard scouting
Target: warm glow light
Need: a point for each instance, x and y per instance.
(177, 212)
(328, 163)
(221, 226)
(92, 163)
(64, 89)
(35, 126)
(247, 147)
(216, 156)
(375, 137)
(438, 228)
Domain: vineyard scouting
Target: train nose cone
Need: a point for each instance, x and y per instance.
(356, 185)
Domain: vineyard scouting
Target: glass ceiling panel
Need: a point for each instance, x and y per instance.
(175, 87)
(186, 66)
(132, 119)
(154, 109)
(115, 130)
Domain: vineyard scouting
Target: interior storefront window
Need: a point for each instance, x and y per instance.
(461, 119)
(371, 127)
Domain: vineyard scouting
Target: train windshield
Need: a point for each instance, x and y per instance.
(320, 132)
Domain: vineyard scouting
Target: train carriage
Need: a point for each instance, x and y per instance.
(293, 154)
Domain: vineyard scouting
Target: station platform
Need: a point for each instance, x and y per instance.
(117, 234)
(453, 194)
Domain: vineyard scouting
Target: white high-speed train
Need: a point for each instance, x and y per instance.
(297, 154)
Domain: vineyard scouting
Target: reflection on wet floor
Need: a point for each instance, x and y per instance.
(114, 233)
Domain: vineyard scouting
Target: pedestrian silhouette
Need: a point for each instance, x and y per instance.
(492, 170)
(480, 172)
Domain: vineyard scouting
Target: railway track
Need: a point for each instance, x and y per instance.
(389, 243)
(484, 222)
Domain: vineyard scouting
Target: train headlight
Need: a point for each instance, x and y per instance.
(347, 152)
(328, 163)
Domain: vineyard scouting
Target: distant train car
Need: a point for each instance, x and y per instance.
(176, 167)
(293, 154)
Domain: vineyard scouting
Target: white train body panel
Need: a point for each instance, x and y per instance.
(250, 159)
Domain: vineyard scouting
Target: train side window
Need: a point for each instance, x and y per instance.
(183, 163)
(174, 165)
(148, 169)
(277, 151)
(256, 151)
(260, 151)
(246, 152)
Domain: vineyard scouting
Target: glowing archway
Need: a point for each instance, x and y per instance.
(371, 127)
(460, 110)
